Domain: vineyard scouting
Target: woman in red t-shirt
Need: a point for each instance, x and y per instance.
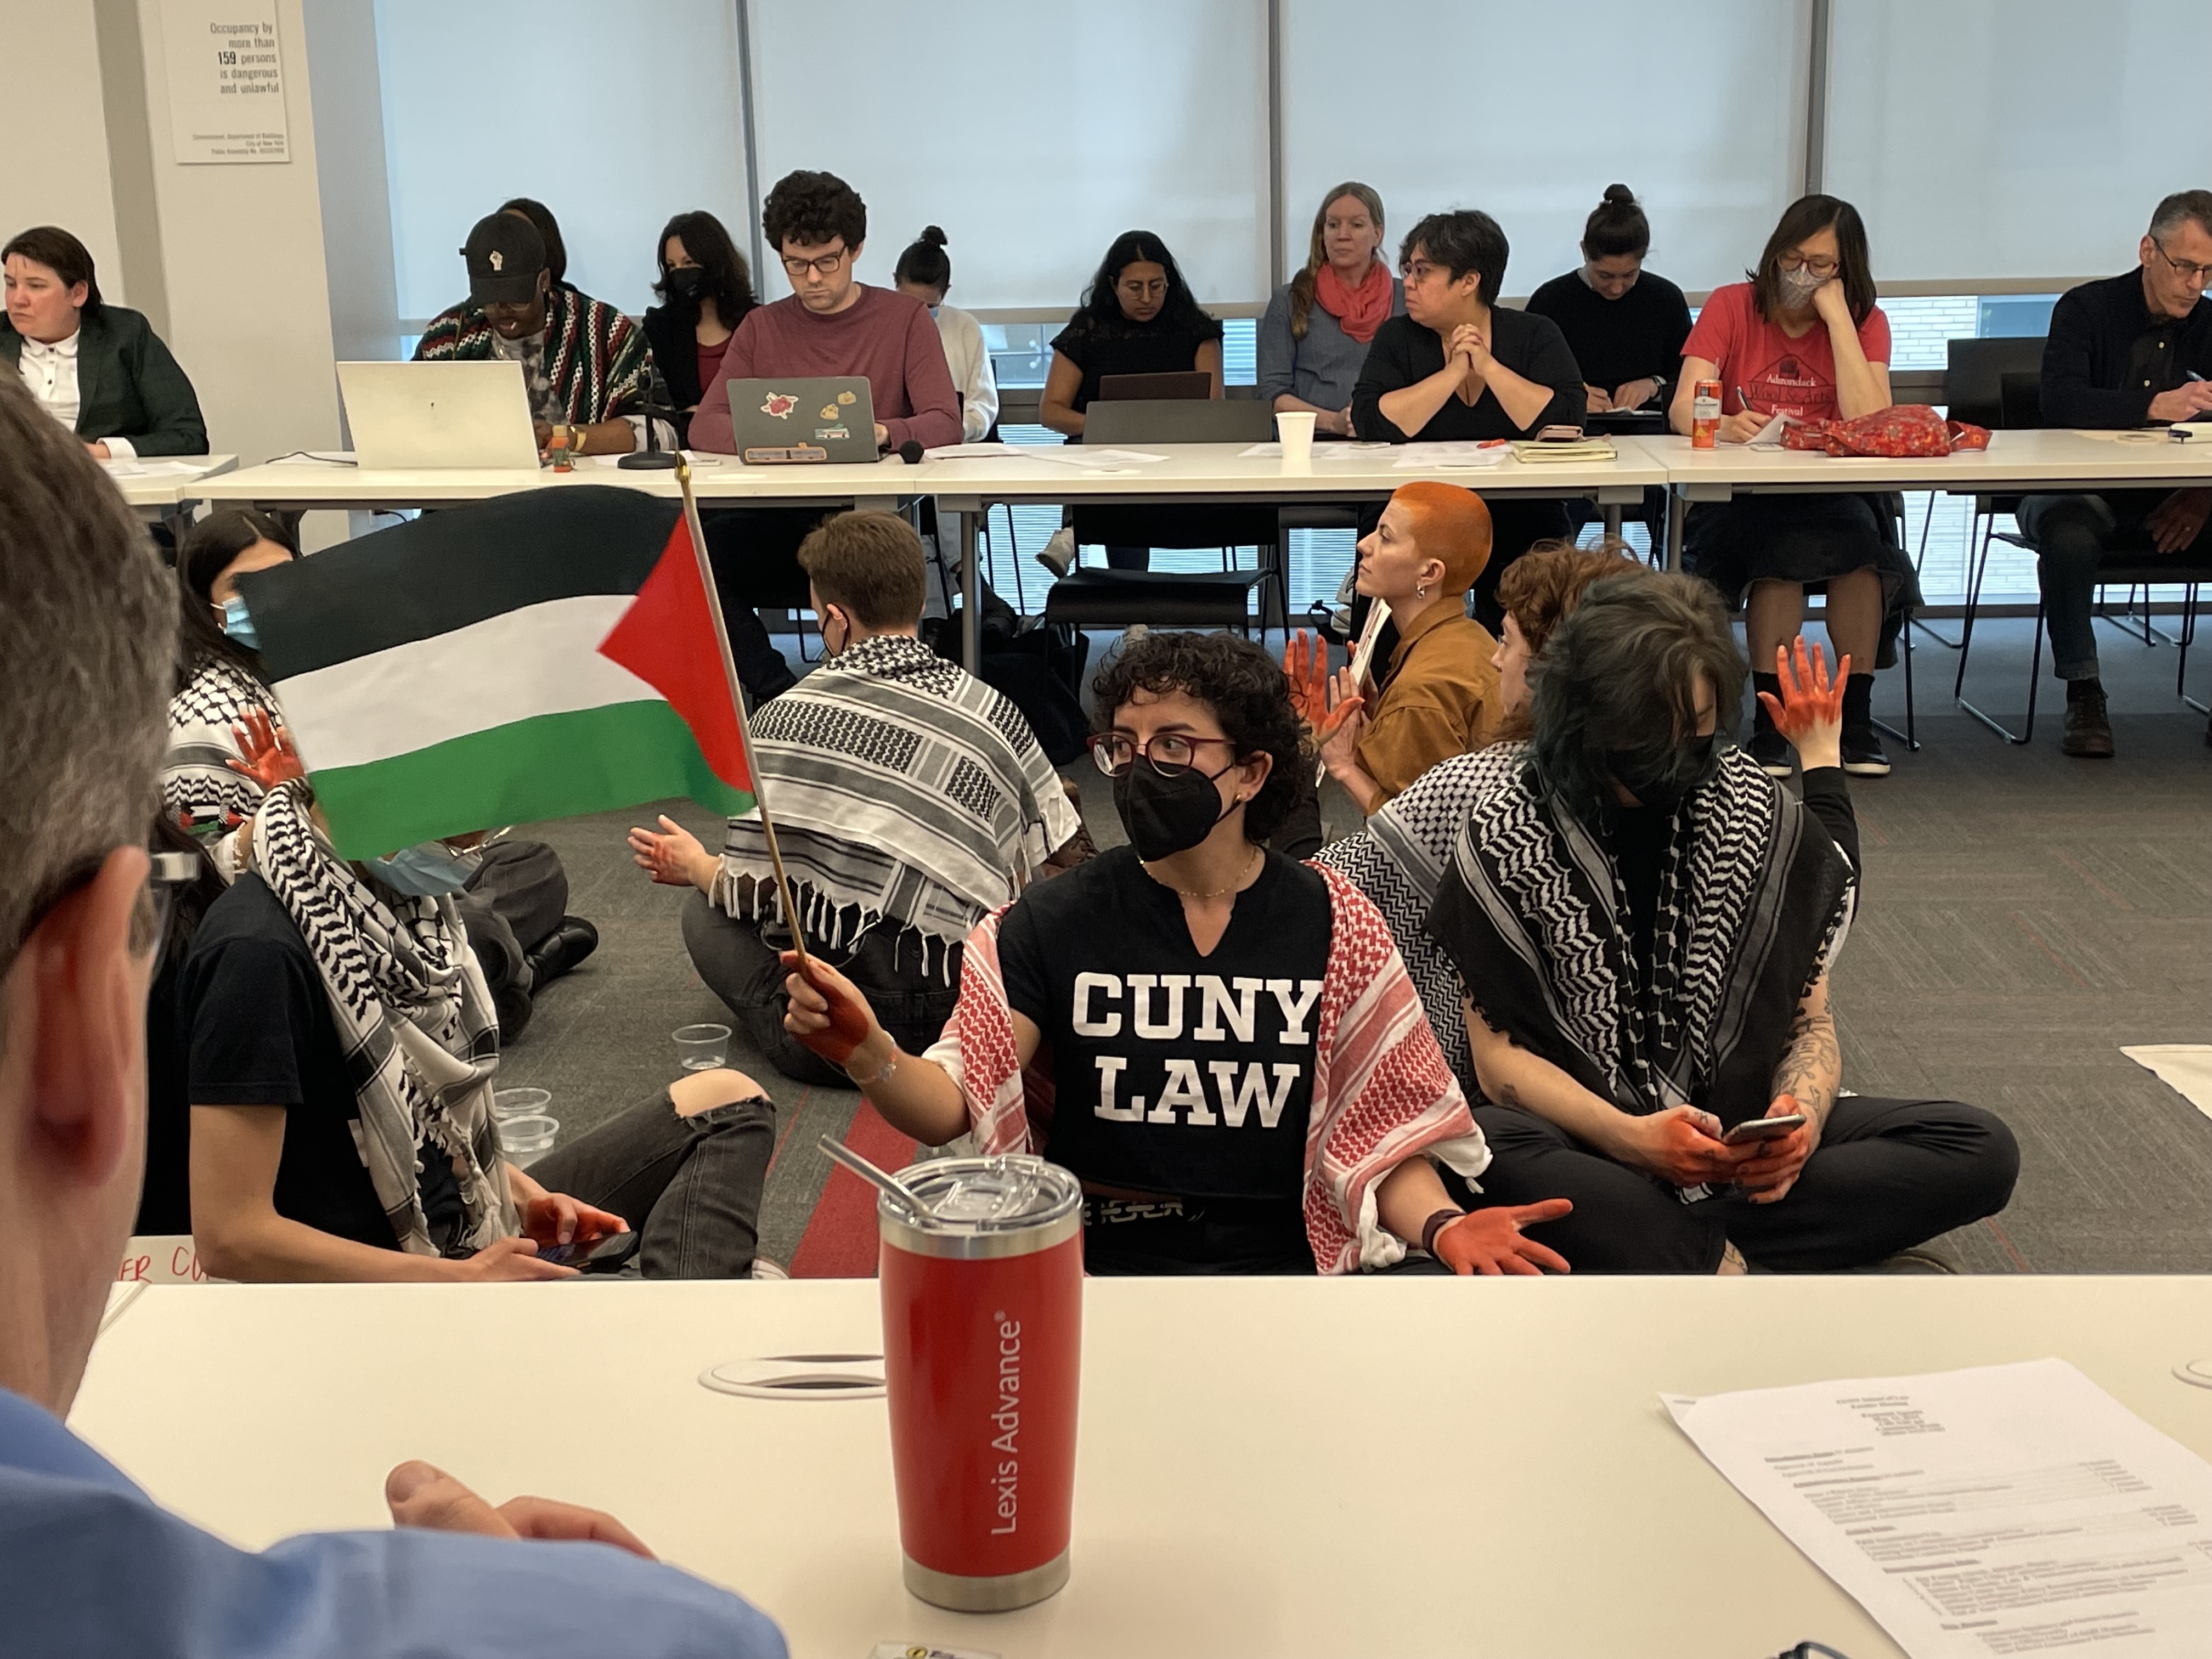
(1804, 338)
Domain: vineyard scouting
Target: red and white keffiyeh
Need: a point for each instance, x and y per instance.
(1382, 1092)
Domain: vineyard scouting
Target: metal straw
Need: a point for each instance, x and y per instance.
(868, 1172)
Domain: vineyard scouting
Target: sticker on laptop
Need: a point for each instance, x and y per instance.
(847, 397)
(828, 412)
(779, 405)
(824, 434)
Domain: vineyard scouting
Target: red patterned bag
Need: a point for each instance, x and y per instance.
(1901, 430)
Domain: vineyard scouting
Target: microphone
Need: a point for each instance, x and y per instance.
(910, 453)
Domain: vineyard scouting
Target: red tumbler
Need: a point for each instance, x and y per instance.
(983, 1348)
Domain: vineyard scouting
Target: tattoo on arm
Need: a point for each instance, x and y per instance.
(1813, 1065)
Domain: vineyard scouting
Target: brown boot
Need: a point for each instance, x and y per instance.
(2088, 730)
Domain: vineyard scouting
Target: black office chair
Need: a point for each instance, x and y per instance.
(1095, 598)
(2020, 405)
(1974, 386)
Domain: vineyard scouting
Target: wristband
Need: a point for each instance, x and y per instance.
(1435, 1225)
(884, 1076)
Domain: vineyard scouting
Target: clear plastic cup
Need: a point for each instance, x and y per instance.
(703, 1048)
(523, 1140)
(520, 1103)
(1296, 431)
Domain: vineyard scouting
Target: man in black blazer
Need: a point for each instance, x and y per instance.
(99, 368)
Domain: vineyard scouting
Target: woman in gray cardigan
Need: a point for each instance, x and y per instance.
(1315, 336)
(99, 369)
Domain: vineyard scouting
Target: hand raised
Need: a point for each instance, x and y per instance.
(1810, 711)
(1490, 1241)
(270, 757)
(825, 1011)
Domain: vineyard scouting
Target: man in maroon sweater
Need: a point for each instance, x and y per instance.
(830, 325)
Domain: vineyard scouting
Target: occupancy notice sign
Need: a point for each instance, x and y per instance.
(226, 81)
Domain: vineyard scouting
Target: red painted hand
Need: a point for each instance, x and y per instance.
(270, 757)
(1810, 711)
(825, 1012)
(1305, 664)
(1490, 1241)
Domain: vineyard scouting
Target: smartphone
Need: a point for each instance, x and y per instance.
(602, 1255)
(1559, 434)
(1762, 1129)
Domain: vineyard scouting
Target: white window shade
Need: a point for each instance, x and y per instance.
(2015, 140)
(616, 116)
(1529, 112)
(1033, 132)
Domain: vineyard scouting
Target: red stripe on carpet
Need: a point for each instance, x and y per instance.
(840, 1240)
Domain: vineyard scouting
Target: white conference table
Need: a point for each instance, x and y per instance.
(160, 494)
(963, 487)
(1396, 1466)
(2028, 462)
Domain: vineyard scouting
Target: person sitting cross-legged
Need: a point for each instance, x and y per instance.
(1644, 923)
(909, 799)
(1222, 1044)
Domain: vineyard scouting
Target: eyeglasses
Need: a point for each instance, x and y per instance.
(2187, 271)
(1416, 271)
(1170, 752)
(824, 265)
(1818, 267)
(171, 871)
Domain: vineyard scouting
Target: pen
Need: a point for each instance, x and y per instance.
(1743, 401)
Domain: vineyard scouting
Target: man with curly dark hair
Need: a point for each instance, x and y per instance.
(1223, 1044)
(829, 324)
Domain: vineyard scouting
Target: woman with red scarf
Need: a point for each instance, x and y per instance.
(1315, 333)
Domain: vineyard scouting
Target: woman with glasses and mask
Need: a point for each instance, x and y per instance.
(1643, 924)
(1221, 1043)
(705, 289)
(1459, 367)
(1803, 338)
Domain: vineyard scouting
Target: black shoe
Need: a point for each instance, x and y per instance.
(1772, 750)
(560, 951)
(1862, 753)
(2088, 728)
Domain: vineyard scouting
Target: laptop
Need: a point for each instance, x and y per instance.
(440, 416)
(1191, 383)
(802, 421)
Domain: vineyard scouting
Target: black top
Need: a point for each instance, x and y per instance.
(1176, 1074)
(669, 330)
(254, 1023)
(2107, 357)
(1117, 346)
(1636, 337)
(1404, 352)
(128, 386)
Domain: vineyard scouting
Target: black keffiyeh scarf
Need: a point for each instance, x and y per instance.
(413, 1017)
(1754, 903)
(198, 789)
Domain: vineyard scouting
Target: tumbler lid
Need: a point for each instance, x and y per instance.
(1004, 1206)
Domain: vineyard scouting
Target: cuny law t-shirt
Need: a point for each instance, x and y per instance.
(1779, 374)
(1178, 1075)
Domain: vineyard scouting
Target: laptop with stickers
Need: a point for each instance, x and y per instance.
(796, 422)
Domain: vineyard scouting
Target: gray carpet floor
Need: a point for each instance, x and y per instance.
(2025, 916)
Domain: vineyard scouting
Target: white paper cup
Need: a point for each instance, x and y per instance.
(1296, 431)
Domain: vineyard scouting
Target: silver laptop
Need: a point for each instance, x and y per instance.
(782, 422)
(421, 416)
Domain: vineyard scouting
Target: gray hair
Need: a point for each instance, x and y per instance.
(2180, 208)
(88, 633)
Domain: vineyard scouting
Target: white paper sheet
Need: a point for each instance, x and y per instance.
(2005, 1510)
(1769, 435)
(2184, 1068)
(155, 469)
(1462, 457)
(1326, 450)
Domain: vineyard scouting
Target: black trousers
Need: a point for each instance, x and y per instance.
(1887, 1175)
(754, 554)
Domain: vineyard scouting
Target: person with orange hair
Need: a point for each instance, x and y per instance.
(1438, 696)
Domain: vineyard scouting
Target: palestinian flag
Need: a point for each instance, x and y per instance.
(539, 656)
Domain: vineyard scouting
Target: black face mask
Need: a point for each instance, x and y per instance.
(687, 282)
(1666, 785)
(1167, 812)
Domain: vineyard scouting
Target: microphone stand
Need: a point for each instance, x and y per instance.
(652, 456)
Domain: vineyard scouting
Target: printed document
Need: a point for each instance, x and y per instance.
(2008, 1510)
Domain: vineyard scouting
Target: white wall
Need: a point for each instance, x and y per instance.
(59, 174)
(242, 248)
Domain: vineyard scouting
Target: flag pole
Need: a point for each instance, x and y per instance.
(736, 697)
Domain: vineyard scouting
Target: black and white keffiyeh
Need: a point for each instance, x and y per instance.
(1755, 903)
(903, 788)
(199, 790)
(414, 1018)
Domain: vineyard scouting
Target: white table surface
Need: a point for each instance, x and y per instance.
(167, 488)
(1218, 472)
(1398, 1466)
(2014, 461)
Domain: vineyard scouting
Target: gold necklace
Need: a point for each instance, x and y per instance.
(1184, 892)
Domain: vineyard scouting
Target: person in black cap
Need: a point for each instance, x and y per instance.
(584, 363)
